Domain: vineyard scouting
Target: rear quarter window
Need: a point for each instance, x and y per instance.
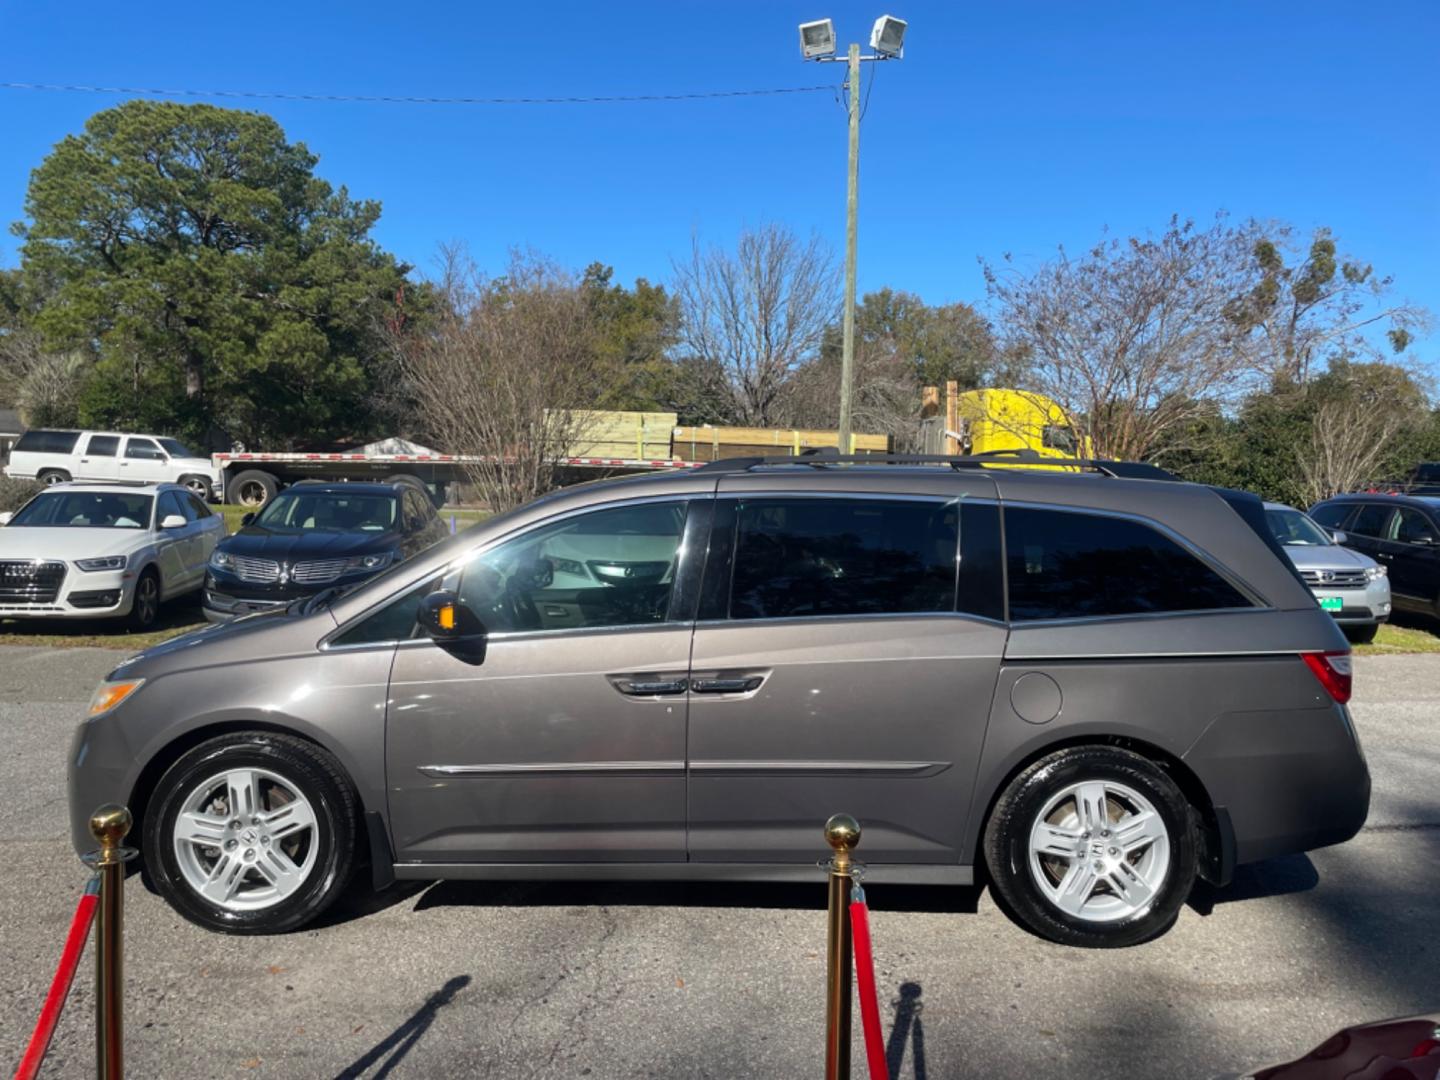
(47, 442)
(1069, 564)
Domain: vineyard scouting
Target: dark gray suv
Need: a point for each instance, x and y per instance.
(1094, 686)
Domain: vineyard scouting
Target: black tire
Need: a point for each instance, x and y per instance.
(411, 481)
(252, 489)
(52, 476)
(1007, 846)
(145, 605)
(313, 772)
(1361, 635)
(199, 486)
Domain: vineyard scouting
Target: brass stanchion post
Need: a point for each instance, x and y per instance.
(842, 833)
(109, 825)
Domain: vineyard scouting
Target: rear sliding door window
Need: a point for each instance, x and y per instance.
(1065, 565)
(818, 556)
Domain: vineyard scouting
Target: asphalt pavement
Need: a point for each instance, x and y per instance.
(727, 981)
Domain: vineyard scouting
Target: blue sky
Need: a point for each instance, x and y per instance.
(1009, 127)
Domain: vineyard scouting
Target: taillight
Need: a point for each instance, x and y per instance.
(1333, 671)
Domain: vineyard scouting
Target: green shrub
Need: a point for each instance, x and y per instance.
(16, 493)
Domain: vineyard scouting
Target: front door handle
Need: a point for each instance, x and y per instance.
(1384, 555)
(648, 687)
(741, 685)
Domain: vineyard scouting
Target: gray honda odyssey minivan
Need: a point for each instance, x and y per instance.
(1096, 684)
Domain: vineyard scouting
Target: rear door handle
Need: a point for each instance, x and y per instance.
(1384, 555)
(740, 685)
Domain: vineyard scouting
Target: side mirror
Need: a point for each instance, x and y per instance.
(173, 521)
(1338, 535)
(247, 519)
(453, 626)
(5, 517)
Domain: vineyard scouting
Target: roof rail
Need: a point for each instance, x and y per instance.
(823, 457)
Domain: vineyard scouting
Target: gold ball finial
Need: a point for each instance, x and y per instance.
(842, 832)
(110, 825)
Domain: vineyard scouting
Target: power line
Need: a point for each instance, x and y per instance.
(268, 95)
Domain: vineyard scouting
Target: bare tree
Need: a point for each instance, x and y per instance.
(506, 372)
(753, 316)
(1133, 339)
(1361, 409)
(1321, 305)
(43, 385)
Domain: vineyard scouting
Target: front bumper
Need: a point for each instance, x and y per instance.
(81, 594)
(1361, 607)
(226, 597)
(94, 777)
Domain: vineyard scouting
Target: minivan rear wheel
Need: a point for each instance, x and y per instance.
(1092, 846)
(252, 833)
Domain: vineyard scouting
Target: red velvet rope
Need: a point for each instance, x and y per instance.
(60, 985)
(865, 984)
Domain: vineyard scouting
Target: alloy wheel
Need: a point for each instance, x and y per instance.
(245, 839)
(1099, 851)
(147, 600)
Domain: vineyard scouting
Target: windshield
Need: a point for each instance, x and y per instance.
(86, 510)
(332, 511)
(1294, 529)
(175, 448)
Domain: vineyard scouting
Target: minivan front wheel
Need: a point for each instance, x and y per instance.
(1093, 846)
(252, 833)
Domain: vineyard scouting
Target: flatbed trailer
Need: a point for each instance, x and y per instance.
(253, 479)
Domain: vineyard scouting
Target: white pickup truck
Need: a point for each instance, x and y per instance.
(53, 456)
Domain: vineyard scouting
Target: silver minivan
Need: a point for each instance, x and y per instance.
(1088, 686)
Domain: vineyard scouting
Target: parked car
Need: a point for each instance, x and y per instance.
(1351, 586)
(53, 457)
(1404, 1049)
(317, 536)
(1402, 532)
(1096, 687)
(104, 550)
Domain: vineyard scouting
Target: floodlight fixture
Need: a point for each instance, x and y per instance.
(887, 37)
(817, 39)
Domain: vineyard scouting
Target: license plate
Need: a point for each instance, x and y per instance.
(1331, 603)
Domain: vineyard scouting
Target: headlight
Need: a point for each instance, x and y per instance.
(1374, 573)
(219, 559)
(369, 562)
(107, 562)
(110, 694)
(568, 566)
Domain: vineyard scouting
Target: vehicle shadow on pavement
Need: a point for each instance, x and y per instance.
(391, 1050)
(938, 899)
(1274, 877)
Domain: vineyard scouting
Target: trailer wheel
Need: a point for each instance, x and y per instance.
(251, 489)
(412, 481)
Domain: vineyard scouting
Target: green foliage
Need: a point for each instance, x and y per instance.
(1261, 449)
(15, 493)
(217, 281)
(936, 344)
(635, 328)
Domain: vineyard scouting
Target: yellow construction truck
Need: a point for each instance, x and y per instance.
(986, 421)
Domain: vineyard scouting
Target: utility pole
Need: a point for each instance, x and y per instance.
(852, 213)
(817, 42)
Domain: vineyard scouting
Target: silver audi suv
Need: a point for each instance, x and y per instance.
(1094, 684)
